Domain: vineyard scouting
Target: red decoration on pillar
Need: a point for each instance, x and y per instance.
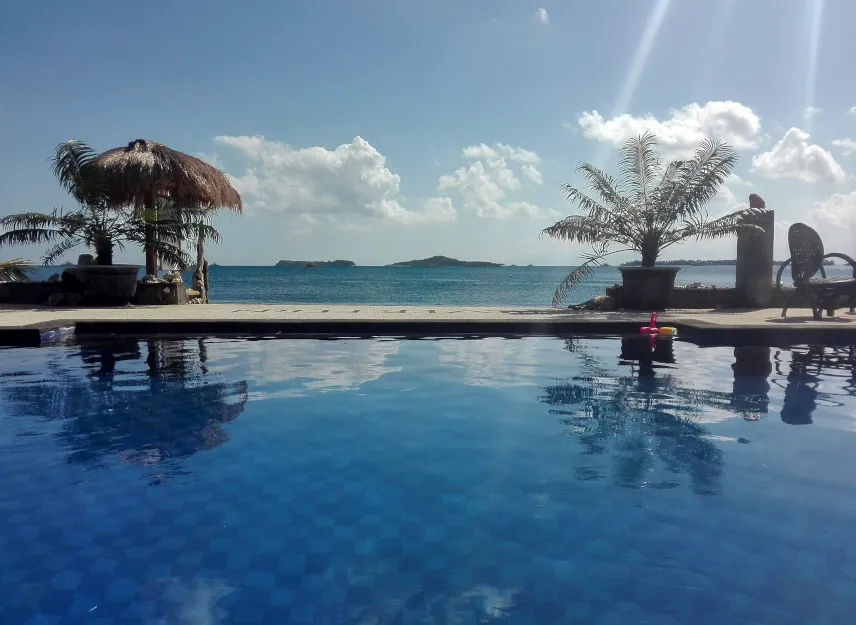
(755, 201)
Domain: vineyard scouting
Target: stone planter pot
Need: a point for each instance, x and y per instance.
(160, 294)
(108, 285)
(647, 288)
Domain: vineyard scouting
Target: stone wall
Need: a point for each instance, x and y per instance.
(35, 293)
(685, 298)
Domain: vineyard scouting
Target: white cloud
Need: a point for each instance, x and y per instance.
(736, 181)
(211, 159)
(838, 211)
(725, 194)
(353, 179)
(500, 151)
(543, 16)
(438, 209)
(679, 135)
(846, 146)
(532, 173)
(294, 368)
(853, 110)
(794, 157)
(810, 111)
(485, 183)
(493, 362)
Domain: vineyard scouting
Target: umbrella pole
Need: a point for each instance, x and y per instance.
(151, 250)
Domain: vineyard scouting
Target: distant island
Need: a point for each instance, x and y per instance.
(444, 261)
(316, 263)
(706, 263)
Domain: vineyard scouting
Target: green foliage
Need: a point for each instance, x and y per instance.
(100, 226)
(649, 207)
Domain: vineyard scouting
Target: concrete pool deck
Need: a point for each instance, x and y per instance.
(27, 325)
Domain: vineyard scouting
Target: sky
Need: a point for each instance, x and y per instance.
(384, 130)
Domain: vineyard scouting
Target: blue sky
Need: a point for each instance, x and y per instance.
(390, 129)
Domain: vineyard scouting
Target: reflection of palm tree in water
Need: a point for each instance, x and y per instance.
(103, 413)
(639, 419)
(802, 392)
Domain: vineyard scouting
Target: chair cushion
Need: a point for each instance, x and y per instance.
(833, 284)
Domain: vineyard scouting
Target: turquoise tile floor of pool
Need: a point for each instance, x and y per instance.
(536, 481)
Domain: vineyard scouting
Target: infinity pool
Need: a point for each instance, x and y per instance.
(532, 481)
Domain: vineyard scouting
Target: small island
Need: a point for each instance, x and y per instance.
(316, 263)
(706, 263)
(444, 261)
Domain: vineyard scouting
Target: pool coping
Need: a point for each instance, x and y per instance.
(696, 331)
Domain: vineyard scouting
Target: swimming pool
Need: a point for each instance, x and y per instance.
(435, 481)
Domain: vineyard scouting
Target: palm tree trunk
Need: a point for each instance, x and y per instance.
(650, 251)
(199, 273)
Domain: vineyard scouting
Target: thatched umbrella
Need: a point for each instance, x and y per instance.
(144, 171)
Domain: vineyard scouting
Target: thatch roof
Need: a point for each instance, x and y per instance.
(147, 169)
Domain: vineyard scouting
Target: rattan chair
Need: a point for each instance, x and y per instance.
(806, 261)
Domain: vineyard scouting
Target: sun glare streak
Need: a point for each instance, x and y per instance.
(637, 66)
(718, 38)
(815, 8)
(638, 62)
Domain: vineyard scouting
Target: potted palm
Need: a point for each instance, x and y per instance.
(647, 210)
(102, 227)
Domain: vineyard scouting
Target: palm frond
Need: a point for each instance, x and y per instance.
(73, 163)
(578, 228)
(14, 270)
(605, 186)
(59, 250)
(593, 260)
(699, 179)
(31, 236)
(734, 223)
(172, 255)
(640, 164)
(22, 221)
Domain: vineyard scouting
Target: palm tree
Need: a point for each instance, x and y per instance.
(650, 207)
(96, 223)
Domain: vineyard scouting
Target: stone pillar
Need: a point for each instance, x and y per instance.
(754, 279)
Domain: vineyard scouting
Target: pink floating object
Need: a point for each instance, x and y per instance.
(651, 328)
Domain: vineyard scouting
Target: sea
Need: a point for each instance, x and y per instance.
(423, 286)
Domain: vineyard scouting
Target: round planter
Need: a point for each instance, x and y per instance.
(109, 285)
(647, 288)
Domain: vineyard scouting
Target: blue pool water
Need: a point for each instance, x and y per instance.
(450, 481)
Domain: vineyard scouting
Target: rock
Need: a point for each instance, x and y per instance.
(150, 279)
(174, 277)
(53, 279)
(64, 299)
(85, 259)
(73, 282)
(601, 302)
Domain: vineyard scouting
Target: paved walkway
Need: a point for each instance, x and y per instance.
(19, 316)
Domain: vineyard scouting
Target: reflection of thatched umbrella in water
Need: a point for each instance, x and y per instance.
(180, 414)
(145, 172)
